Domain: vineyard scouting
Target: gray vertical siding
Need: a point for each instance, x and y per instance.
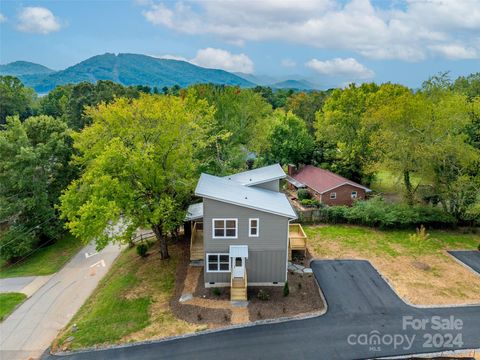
(267, 252)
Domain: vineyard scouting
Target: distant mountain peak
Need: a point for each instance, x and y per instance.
(23, 68)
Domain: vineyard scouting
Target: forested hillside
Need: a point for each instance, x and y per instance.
(125, 69)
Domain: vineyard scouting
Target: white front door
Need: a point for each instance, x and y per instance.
(238, 265)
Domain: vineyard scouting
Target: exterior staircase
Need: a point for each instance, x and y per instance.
(196, 243)
(238, 288)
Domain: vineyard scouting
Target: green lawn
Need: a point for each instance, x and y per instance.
(130, 303)
(8, 302)
(393, 243)
(45, 261)
(389, 183)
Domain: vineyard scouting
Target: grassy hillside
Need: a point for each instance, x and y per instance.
(132, 69)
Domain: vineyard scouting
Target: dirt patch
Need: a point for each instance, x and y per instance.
(304, 297)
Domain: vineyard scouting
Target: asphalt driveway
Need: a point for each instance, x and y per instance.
(365, 319)
(469, 258)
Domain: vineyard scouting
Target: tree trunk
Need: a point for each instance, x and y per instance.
(157, 229)
(408, 187)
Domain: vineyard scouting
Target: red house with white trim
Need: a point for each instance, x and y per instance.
(327, 187)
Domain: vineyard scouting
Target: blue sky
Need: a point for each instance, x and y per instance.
(326, 41)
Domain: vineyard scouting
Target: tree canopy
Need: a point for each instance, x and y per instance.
(139, 167)
(34, 169)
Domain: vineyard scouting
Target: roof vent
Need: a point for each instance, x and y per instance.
(246, 198)
(250, 179)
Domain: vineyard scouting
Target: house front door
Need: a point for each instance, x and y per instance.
(238, 267)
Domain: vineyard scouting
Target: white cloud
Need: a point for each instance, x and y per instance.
(37, 20)
(412, 31)
(2, 18)
(172, 57)
(216, 59)
(456, 52)
(288, 63)
(222, 59)
(349, 68)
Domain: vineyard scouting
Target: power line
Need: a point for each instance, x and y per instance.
(28, 231)
(30, 253)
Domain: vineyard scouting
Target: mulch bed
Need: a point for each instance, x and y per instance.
(210, 293)
(191, 313)
(304, 298)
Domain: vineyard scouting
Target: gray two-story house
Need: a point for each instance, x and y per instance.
(241, 229)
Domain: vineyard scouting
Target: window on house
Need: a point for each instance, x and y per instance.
(218, 263)
(354, 195)
(224, 228)
(253, 228)
(333, 195)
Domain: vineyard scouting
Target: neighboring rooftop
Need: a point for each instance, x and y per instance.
(233, 192)
(321, 180)
(258, 176)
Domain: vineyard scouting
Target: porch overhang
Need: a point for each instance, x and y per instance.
(194, 212)
(238, 251)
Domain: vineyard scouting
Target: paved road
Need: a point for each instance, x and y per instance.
(15, 284)
(360, 304)
(469, 258)
(24, 284)
(31, 328)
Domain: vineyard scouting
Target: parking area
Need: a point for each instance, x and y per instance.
(365, 319)
(469, 258)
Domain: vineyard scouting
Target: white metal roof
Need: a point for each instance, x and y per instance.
(238, 251)
(194, 212)
(258, 176)
(295, 182)
(232, 192)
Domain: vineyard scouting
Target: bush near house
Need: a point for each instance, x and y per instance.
(310, 203)
(384, 215)
(303, 194)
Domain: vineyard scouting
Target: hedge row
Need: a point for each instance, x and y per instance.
(378, 213)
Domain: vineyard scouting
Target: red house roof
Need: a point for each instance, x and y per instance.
(322, 180)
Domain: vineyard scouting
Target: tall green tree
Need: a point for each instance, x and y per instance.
(87, 94)
(241, 118)
(15, 99)
(305, 105)
(339, 127)
(140, 165)
(289, 141)
(34, 168)
(423, 135)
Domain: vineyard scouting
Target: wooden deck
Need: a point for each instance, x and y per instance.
(196, 243)
(238, 288)
(297, 240)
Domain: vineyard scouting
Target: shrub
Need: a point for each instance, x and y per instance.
(310, 202)
(216, 291)
(286, 290)
(142, 249)
(378, 213)
(263, 295)
(303, 194)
